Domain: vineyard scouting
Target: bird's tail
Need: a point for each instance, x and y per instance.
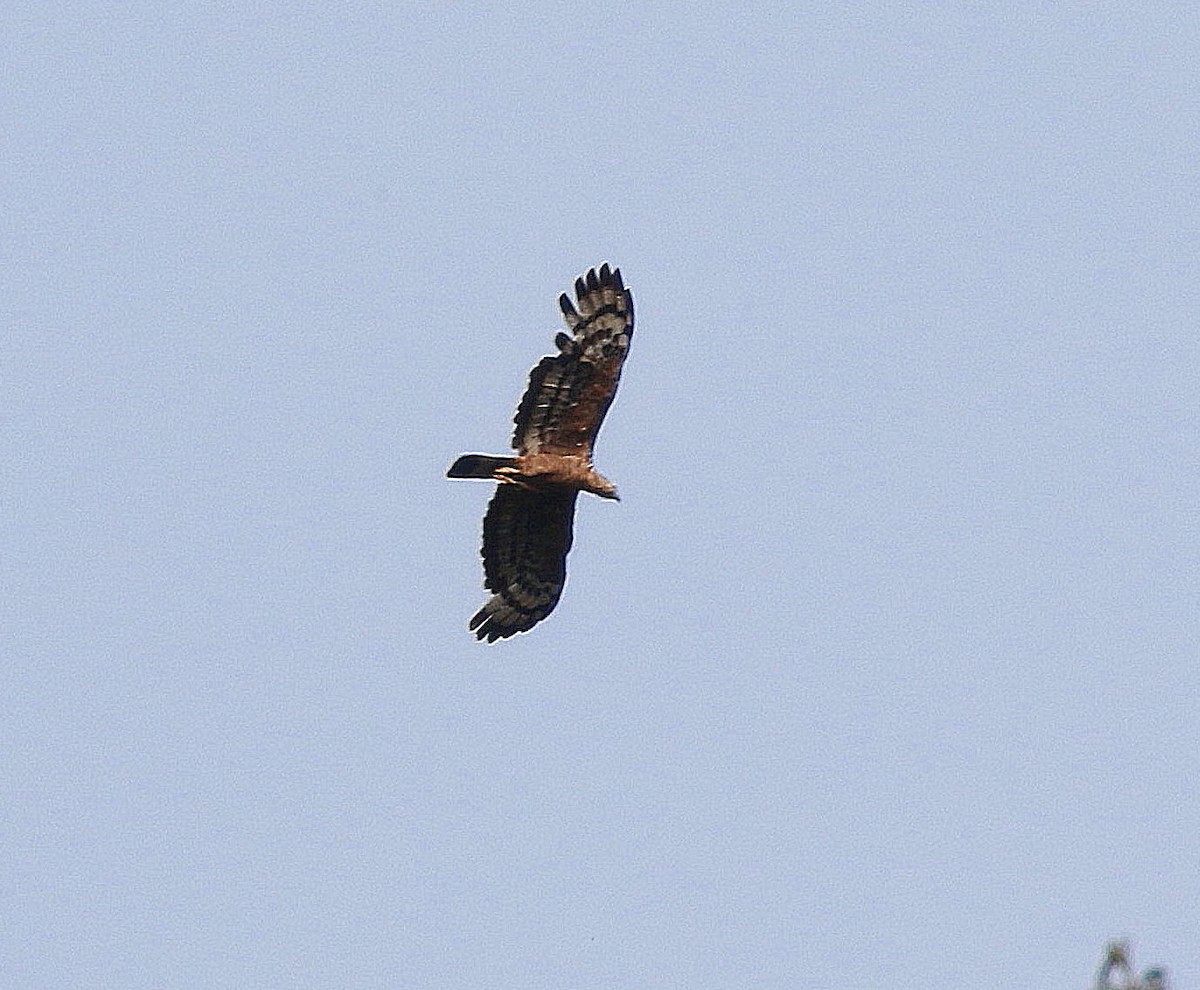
(478, 466)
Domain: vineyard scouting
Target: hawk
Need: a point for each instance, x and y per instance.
(527, 529)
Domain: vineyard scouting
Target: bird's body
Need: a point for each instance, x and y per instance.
(527, 531)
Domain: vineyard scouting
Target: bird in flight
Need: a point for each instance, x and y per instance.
(527, 529)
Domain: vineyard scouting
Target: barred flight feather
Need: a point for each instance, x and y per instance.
(570, 392)
(526, 537)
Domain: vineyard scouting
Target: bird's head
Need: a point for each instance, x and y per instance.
(605, 489)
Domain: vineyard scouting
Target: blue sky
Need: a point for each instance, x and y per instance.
(884, 668)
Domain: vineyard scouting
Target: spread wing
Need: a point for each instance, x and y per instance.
(569, 392)
(526, 537)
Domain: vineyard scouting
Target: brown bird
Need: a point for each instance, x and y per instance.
(527, 529)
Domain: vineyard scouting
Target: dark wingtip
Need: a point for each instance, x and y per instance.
(580, 289)
(565, 304)
(484, 627)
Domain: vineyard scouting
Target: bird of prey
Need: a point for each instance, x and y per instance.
(527, 529)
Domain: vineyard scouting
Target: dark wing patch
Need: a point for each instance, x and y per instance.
(526, 537)
(569, 393)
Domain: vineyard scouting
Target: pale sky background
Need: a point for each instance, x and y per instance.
(884, 671)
